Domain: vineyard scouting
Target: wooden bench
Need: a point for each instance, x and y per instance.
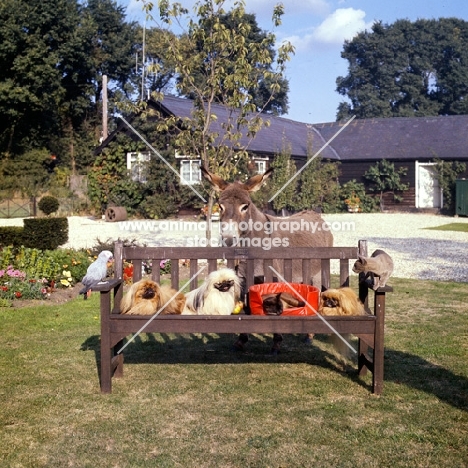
(115, 327)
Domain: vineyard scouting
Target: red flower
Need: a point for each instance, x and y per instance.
(128, 273)
(18, 294)
(4, 288)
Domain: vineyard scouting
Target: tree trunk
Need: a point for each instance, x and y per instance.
(208, 216)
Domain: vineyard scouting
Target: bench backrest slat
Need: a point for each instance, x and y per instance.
(209, 257)
(344, 272)
(148, 253)
(156, 270)
(325, 267)
(268, 271)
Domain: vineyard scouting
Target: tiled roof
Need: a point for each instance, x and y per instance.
(397, 138)
(410, 138)
(269, 140)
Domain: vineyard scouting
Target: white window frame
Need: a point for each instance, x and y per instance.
(194, 171)
(260, 166)
(137, 165)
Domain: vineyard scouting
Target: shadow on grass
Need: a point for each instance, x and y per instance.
(400, 367)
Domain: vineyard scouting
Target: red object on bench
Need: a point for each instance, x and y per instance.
(305, 291)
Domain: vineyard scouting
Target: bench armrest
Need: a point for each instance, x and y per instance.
(106, 285)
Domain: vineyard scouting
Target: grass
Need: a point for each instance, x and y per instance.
(188, 401)
(458, 227)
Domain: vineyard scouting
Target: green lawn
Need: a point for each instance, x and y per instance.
(188, 401)
(459, 227)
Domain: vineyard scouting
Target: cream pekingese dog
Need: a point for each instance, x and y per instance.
(218, 295)
(341, 301)
(146, 297)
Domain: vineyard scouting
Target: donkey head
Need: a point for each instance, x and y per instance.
(237, 208)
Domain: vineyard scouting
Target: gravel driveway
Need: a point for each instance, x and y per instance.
(417, 252)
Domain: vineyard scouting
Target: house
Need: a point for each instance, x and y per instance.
(410, 142)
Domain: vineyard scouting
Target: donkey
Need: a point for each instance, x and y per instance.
(242, 223)
(238, 217)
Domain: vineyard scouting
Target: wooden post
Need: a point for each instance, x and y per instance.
(104, 107)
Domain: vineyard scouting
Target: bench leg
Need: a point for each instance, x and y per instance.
(106, 350)
(106, 367)
(378, 375)
(362, 358)
(119, 360)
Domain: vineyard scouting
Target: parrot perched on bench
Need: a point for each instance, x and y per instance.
(96, 272)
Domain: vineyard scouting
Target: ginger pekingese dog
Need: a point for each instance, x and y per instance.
(341, 301)
(218, 295)
(146, 297)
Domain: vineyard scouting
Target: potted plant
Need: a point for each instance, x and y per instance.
(353, 203)
(215, 213)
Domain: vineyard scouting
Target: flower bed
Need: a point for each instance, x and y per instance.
(34, 274)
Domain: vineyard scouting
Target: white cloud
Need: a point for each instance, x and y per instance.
(343, 24)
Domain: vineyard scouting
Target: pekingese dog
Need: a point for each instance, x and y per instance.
(274, 304)
(146, 297)
(341, 301)
(218, 295)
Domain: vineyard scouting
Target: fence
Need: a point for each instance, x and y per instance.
(17, 208)
(24, 208)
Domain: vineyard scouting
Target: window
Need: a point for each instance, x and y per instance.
(137, 164)
(190, 172)
(260, 166)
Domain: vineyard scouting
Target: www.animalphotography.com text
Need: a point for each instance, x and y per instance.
(270, 234)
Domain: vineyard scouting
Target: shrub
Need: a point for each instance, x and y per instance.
(11, 235)
(157, 207)
(367, 203)
(48, 205)
(45, 233)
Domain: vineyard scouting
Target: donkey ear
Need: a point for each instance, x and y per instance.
(216, 182)
(255, 182)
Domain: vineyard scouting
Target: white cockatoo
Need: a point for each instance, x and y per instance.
(96, 272)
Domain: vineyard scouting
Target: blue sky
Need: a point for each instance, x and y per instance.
(317, 29)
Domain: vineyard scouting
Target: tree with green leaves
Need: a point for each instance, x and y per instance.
(109, 183)
(225, 68)
(52, 57)
(384, 178)
(318, 186)
(28, 174)
(33, 37)
(406, 69)
(284, 169)
(259, 90)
